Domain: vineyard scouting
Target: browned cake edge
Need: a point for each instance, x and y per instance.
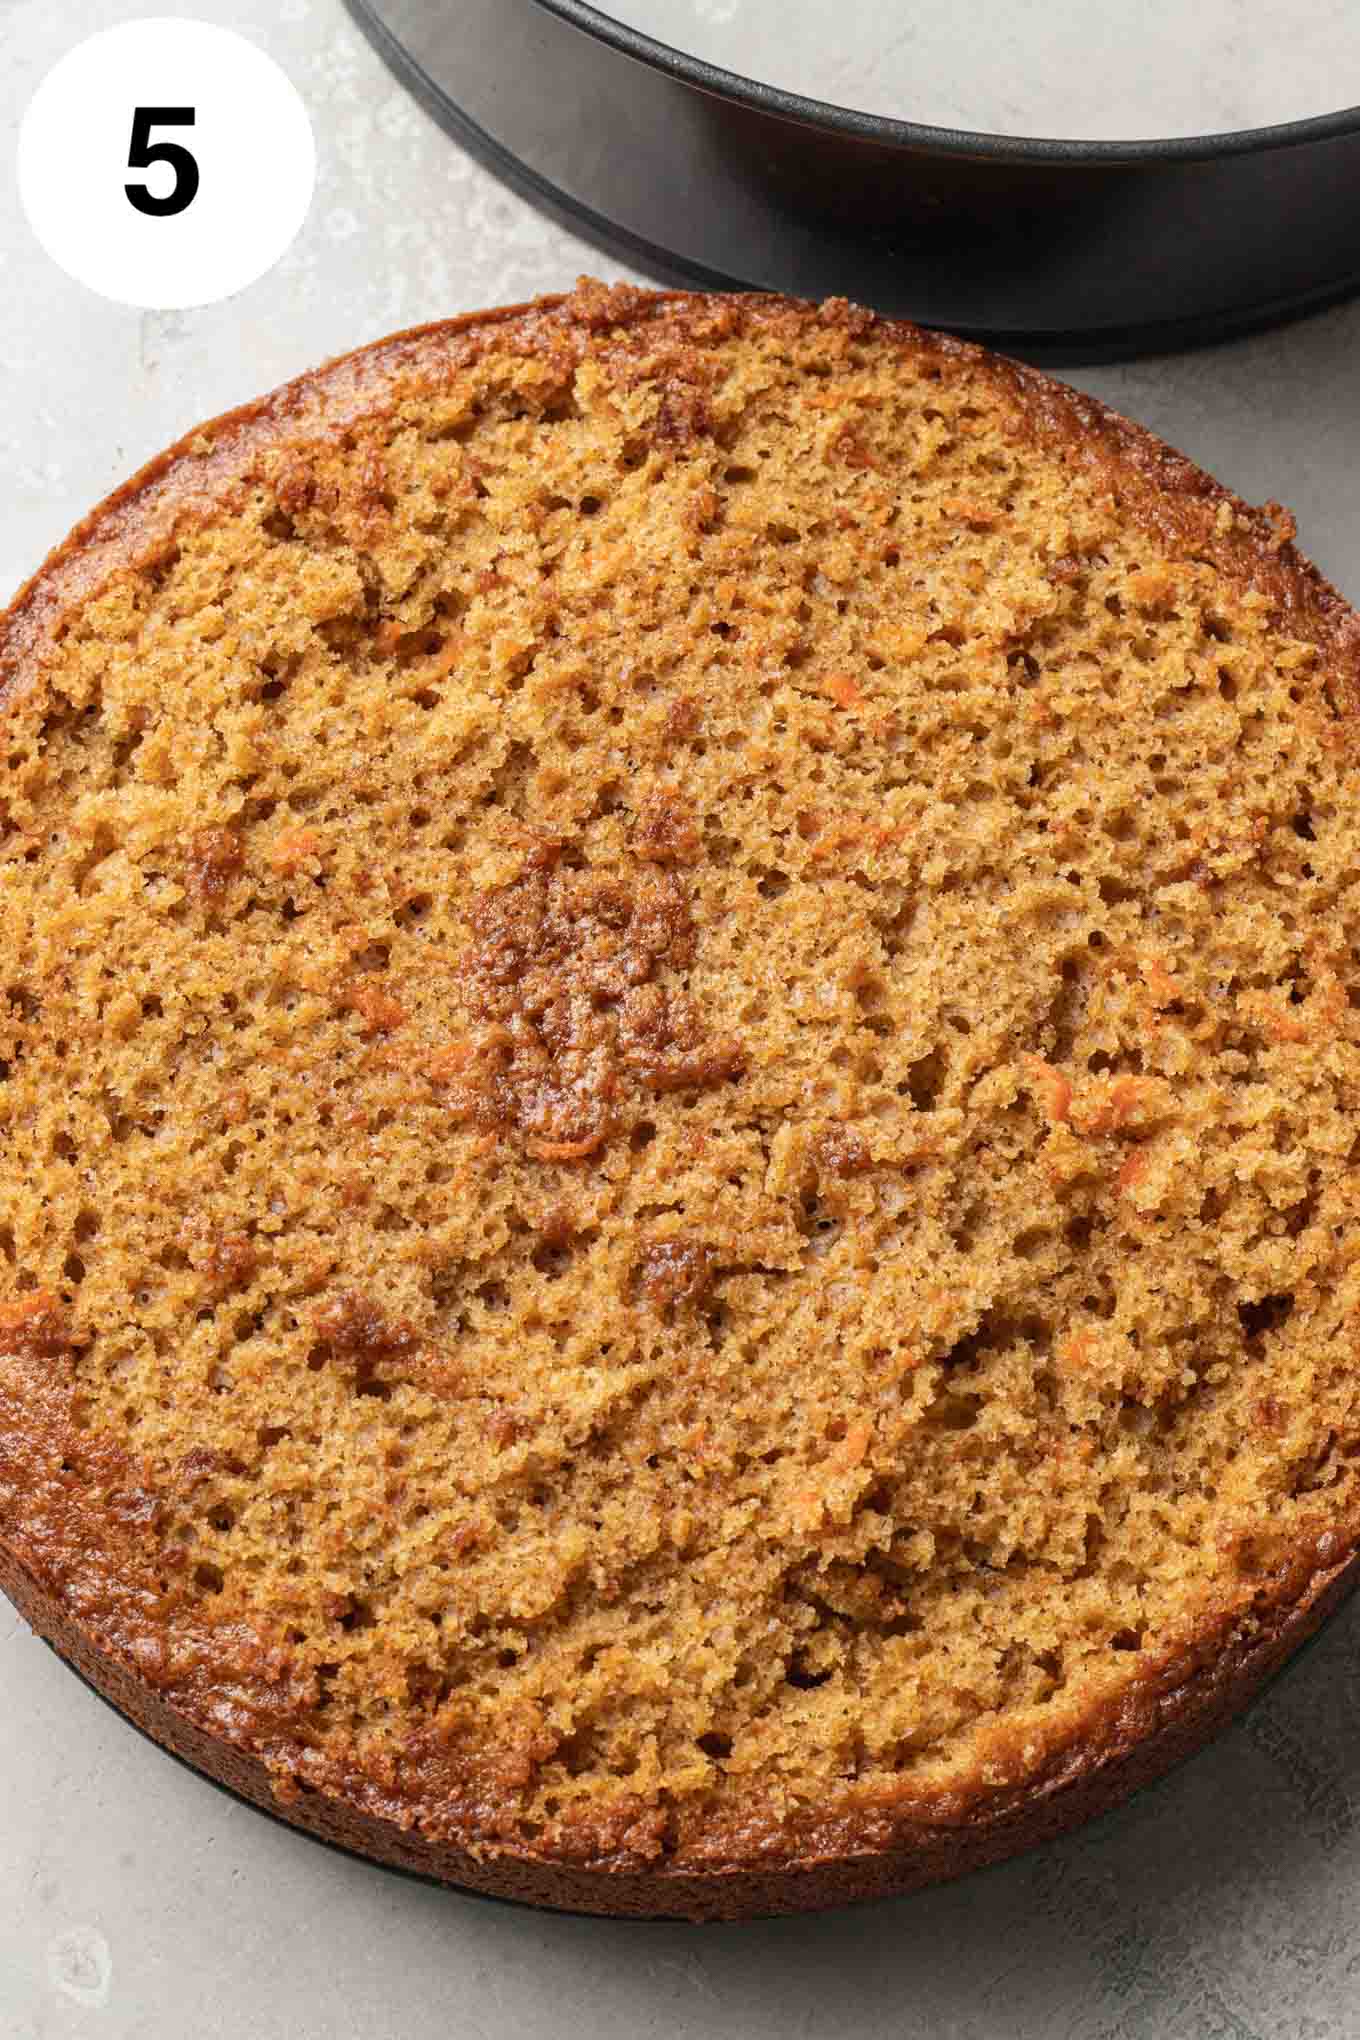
(1177, 1703)
(1125, 1749)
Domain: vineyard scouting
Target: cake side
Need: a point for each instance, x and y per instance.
(1094, 1084)
(860, 1866)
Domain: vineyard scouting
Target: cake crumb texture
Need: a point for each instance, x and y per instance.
(678, 1073)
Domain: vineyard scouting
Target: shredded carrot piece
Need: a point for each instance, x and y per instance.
(446, 658)
(980, 515)
(1282, 1026)
(1122, 1099)
(1055, 1091)
(564, 1150)
(378, 1011)
(449, 1062)
(293, 847)
(855, 1444)
(1162, 987)
(809, 1507)
(844, 691)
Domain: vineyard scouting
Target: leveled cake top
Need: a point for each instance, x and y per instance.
(678, 1061)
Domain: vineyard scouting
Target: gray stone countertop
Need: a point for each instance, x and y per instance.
(139, 1903)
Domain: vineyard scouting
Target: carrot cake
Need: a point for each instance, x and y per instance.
(679, 1047)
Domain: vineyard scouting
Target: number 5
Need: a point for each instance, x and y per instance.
(143, 152)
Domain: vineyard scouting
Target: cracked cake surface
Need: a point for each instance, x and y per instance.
(679, 1045)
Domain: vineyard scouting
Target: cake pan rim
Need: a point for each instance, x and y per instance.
(717, 81)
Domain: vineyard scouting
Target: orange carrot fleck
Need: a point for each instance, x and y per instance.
(842, 836)
(449, 1062)
(1162, 987)
(564, 1150)
(378, 1010)
(980, 516)
(446, 658)
(854, 1445)
(1121, 1100)
(1055, 1092)
(844, 691)
(1282, 1025)
(293, 848)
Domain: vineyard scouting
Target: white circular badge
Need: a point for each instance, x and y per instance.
(166, 163)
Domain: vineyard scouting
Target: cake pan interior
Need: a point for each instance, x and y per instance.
(1067, 247)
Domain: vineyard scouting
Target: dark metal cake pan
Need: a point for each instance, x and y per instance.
(1070, 250)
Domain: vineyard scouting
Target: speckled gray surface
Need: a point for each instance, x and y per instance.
(136, 1902)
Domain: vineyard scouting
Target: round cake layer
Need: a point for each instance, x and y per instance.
(678, 1056)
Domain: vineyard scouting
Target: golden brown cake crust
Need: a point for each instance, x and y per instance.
(1116, 1755)
(228, 1691)
(1178, 500)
